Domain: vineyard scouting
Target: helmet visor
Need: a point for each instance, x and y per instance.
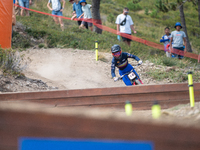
(117, 54)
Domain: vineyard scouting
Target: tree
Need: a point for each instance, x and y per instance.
(96, 15)
(165, 6)
(199, 11)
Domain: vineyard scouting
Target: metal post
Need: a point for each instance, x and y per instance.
(156, 110)
(128, 108)
(96, 50)
(191, 89)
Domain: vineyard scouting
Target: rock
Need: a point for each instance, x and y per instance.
(21, 83)
(196, 111)
(191, 113)
(151, 64)
(198, 117)
(27, 83)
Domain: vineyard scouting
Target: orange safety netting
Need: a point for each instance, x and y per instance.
(6, 8)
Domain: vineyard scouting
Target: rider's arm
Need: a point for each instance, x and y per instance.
(132, 56)
(113, 69)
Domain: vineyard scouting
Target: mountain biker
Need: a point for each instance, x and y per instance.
(120, 60)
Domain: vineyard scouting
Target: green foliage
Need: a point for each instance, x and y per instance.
(36, 33)
(41, 45)
(158, 74)
(146, 11)
(20, 41)
(173, 6)
(108, 8)
(175, 75)
(168, 61)
(11, 61)
(135, 1)
(154, 13)
(134, 6)
(161, 5)
(111, 18)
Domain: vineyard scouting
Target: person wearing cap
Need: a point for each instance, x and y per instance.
(87, 15)
(77, 12)
(125, 25)
(57, 10)
(178, 37)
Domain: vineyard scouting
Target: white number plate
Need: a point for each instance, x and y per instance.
(132, 76)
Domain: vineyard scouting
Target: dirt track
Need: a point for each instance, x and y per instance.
(77, 69)
(69, 69)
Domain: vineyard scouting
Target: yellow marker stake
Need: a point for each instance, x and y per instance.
(191, 89)
(156, 110)
(96, 48)
(128, 108)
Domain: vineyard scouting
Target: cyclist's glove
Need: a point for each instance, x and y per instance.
(115, 78)
(139, 62)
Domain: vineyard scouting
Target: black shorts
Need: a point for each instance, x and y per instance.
(126, 39)
(86, 24)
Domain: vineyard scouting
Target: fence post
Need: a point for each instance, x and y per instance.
(6, 8)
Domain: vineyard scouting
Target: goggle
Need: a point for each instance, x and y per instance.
(117, 54)
(126, 12)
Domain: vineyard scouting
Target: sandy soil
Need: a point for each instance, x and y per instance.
(77, 69)
(70, 68)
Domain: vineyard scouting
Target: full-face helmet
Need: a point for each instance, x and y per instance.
(116, 51)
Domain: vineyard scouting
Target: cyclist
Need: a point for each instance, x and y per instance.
(120, 60)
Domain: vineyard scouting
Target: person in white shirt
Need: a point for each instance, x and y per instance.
(178, 37)
(57, 10)
(125, 25)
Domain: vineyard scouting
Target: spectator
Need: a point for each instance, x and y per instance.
(165, 39)
(24, 3)
(178, 37)
(87, 15)
(77, 12)
(124, 25)
(17, 9)
(13, 18)
(57, 9)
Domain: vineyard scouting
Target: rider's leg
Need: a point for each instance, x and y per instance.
(125, 78)
(127, 81)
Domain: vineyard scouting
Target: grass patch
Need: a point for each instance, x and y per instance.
(102, 58)
(11, 61)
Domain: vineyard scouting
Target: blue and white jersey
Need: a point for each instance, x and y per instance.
(165, 39)
(121, 63)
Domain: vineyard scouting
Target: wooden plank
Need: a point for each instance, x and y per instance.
(27, 122)
(140, 96)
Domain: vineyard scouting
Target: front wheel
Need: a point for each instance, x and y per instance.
(137, 82)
